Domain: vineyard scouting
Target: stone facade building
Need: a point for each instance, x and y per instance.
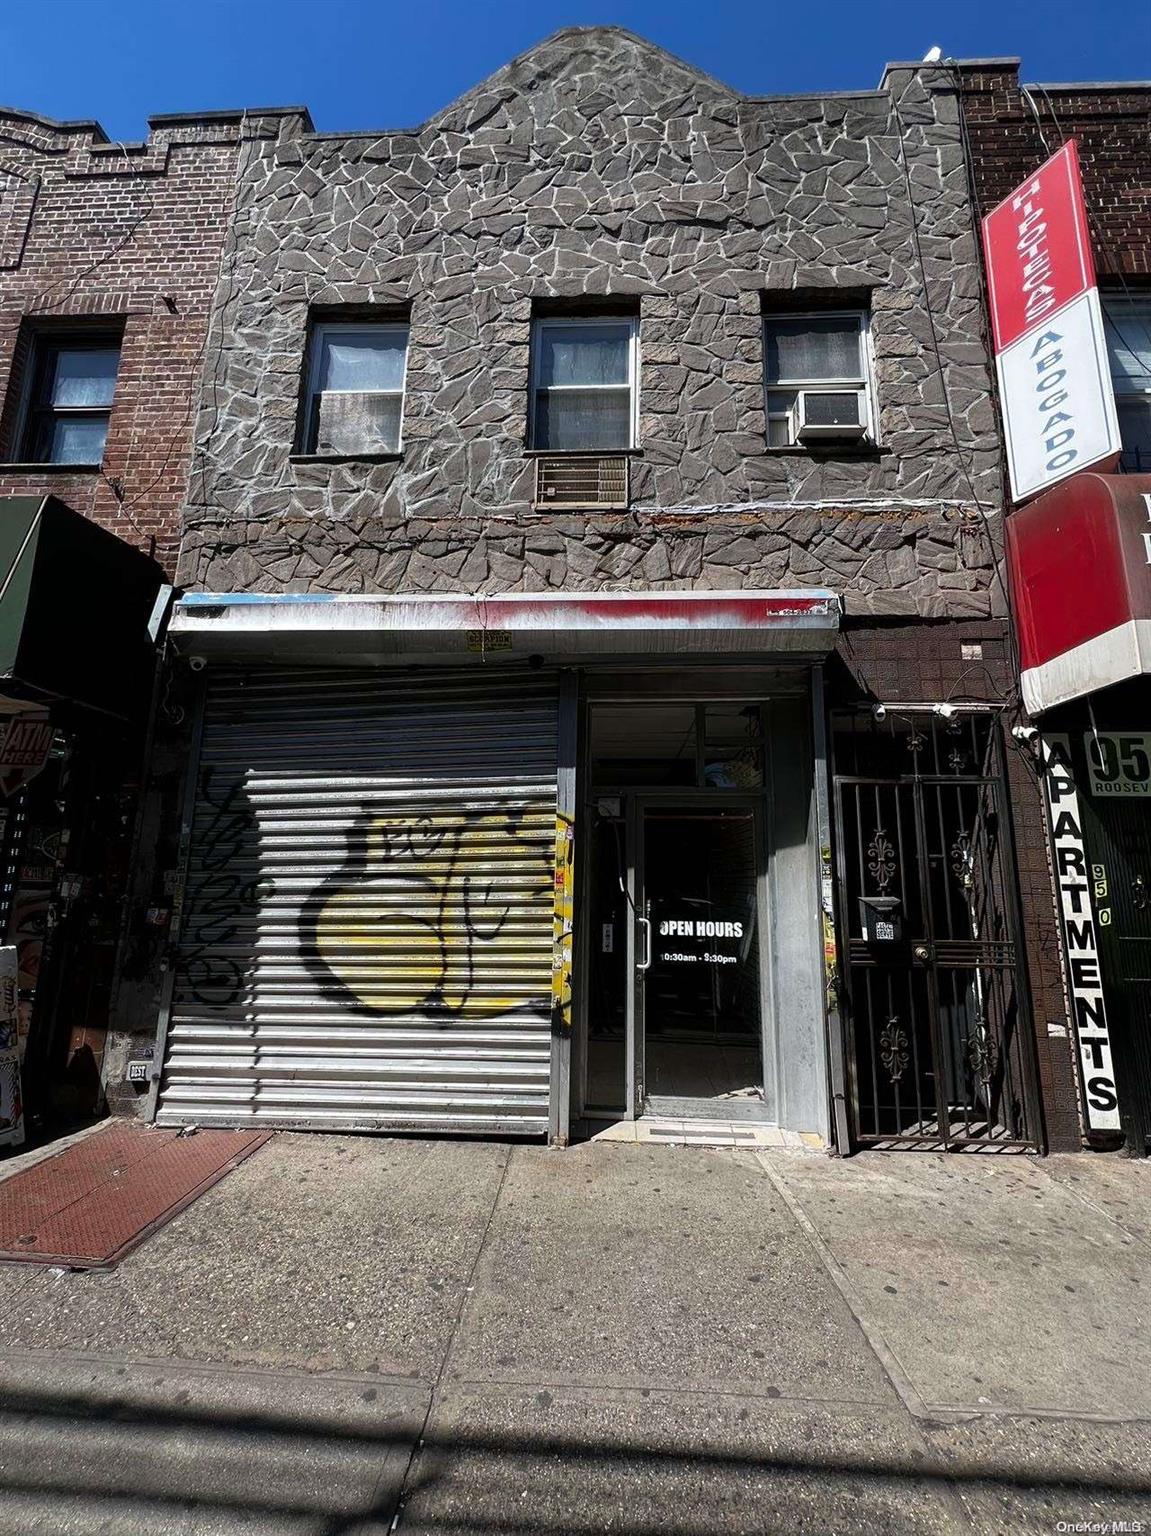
(594, 522)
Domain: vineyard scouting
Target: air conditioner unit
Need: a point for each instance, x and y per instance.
(592, 481)
(835, 415)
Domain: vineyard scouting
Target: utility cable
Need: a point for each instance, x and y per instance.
(938, 355)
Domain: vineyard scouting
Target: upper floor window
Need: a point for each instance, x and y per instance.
(72, 381)
(584, 392)
(355, 402)
(818, 383)
(1128, 328)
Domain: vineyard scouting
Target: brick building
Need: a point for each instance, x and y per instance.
(1079, 564)
(109, 260)
(591, 575)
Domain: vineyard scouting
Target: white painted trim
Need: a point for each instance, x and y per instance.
(320, 332)
(1114, 657)
(574, 322)
(863, 382)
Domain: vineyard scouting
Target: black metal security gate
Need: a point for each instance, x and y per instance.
(939, 1044)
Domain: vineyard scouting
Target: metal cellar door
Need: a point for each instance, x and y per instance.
(367, 924)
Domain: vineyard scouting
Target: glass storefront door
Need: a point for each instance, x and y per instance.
(675, 899)
(675, 984)
(699, 1003)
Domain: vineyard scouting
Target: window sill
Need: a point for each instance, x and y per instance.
(345, 458)
(829, 450)
(583, 453)
(24, 467)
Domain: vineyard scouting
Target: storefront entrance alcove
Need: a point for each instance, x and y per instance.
(678, 1012)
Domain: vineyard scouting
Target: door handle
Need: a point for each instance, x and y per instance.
(645, 963)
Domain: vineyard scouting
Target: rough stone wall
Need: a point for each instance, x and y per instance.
(131, 234)
(596, 165)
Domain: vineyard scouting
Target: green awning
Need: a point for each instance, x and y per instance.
(74, 608)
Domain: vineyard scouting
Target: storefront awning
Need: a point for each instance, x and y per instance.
(1079, 558)
(317, 626)
(75, 602)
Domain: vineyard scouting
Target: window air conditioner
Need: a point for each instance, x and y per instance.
(829, 415)
(596, 481)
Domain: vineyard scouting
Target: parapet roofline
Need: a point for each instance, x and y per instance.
(95, 131)
(69, 125)
(1006, 64)
(227, 115)
(1078, 87)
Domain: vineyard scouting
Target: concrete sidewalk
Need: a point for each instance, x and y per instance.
(464, 1337)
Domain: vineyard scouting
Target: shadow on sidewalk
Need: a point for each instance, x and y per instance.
(72, 1457)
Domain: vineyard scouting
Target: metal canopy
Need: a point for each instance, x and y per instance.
(75, 602)
(318, 626)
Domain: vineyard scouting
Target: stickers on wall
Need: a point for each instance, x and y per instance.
(11, 1096)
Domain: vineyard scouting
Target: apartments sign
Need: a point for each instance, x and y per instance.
(1050, 352)
(1080, 937)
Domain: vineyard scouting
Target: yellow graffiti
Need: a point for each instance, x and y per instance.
(562, 925)
(443, 912)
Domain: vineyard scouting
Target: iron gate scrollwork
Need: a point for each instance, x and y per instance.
(939, 1042)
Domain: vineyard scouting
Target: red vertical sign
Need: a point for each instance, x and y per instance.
(1038, 248)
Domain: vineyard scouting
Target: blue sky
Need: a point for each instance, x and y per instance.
(391, 63)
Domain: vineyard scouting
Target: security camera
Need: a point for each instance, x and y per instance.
(879, 711)
(197, 663)
(1025, 732)
(945, 711)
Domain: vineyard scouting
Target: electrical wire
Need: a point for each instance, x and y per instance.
(1100, 236)
(41, 307)
(936, 348)
(200, 449)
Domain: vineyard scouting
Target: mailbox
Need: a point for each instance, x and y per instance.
(881, 919)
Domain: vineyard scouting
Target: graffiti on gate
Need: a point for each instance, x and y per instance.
(218, 897)
(437, 912)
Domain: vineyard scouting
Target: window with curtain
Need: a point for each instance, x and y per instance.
(1127, 323)
(70, 401)
(584, 384)
(816, 371)
(356, 388)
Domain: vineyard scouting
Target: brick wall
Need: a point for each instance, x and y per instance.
(132, 234)
(1010, 133)
(1113, 126)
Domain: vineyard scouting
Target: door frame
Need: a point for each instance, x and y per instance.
(639, 1101)
(770, 683)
